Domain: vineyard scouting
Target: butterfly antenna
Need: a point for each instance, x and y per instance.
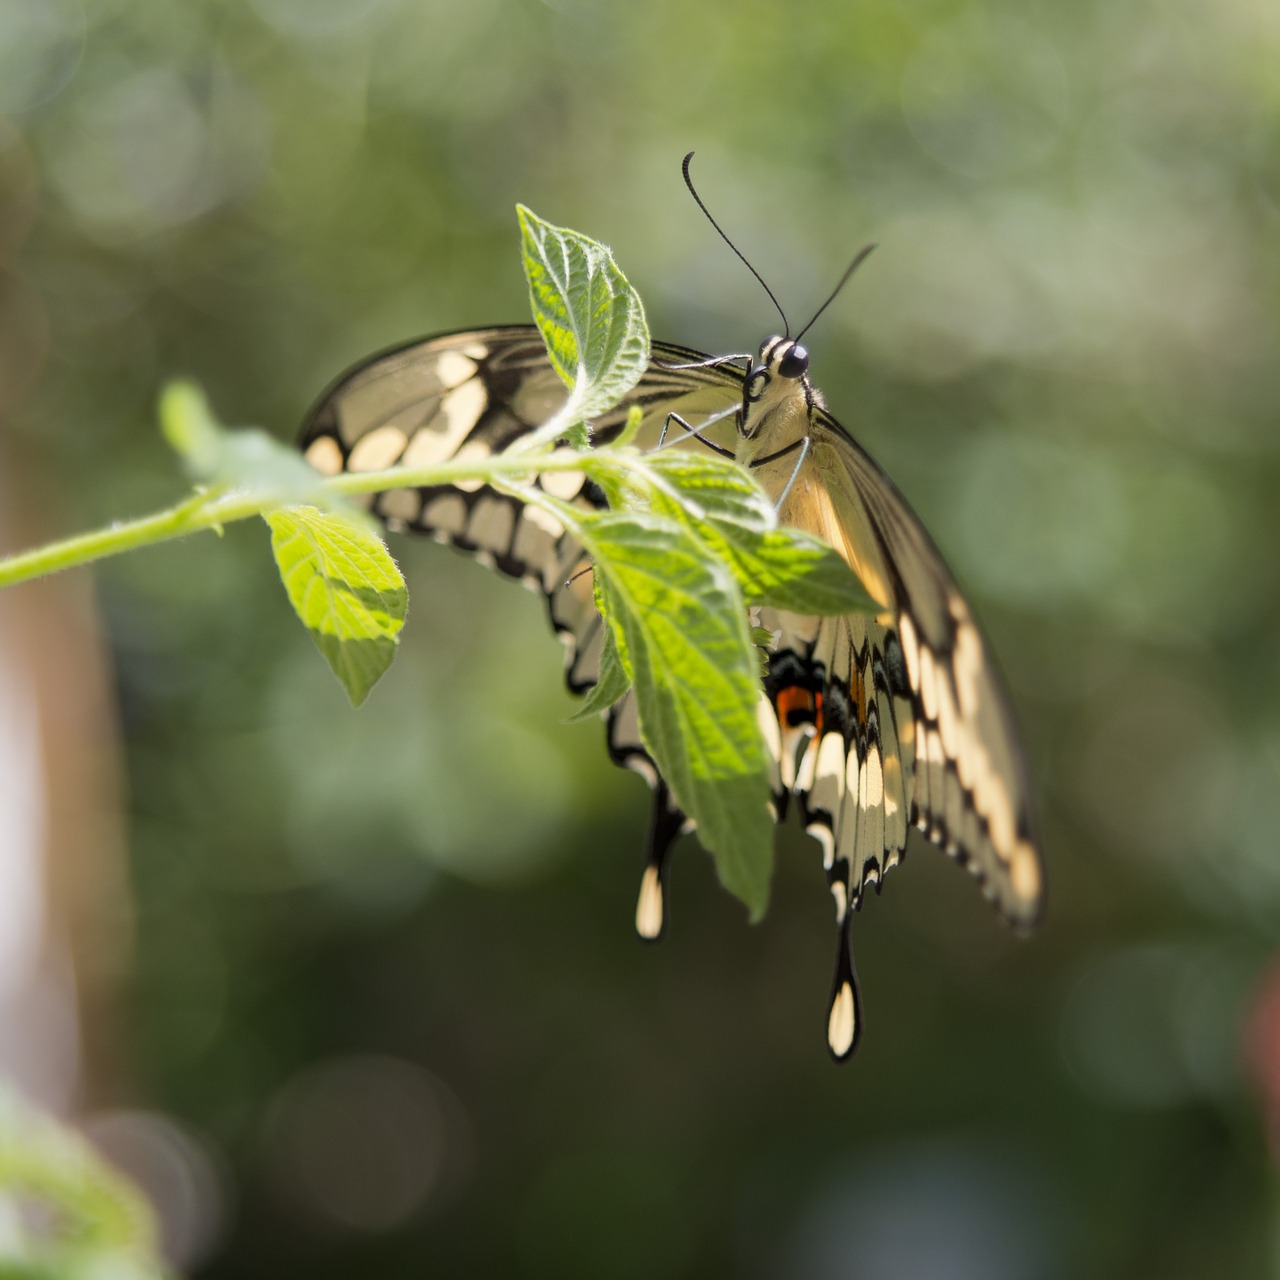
(688, 182)
(859, 258)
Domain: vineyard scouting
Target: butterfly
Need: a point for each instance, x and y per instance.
(874, 722)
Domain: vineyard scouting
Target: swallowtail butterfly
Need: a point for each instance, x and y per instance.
(875, 723)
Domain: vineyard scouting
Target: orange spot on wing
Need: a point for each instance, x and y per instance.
(799, 706)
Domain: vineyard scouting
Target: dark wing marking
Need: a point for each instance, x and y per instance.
(913, 722)
(471, 394)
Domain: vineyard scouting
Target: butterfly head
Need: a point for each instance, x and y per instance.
(781, 364)
(783, 358)
(778, 378)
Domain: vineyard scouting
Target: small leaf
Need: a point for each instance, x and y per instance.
(344, 585)
(695, 675)
(630, 428)
(590, 317)
(714, 486)
(791, 570)
(254, 461)
(614, 678)
(784, 568)
(247, 459)
(190, 428)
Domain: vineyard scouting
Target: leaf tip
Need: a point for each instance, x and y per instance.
(188, 424)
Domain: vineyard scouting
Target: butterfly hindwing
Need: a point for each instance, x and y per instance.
(912, 692)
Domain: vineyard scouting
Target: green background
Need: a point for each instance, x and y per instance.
(384, 974)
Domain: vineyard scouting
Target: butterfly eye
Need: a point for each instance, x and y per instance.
(794, 363)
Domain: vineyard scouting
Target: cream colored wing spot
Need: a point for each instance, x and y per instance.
(472, 451)
(841, 1022)
(767, 719)
(999, 816)
(872, 844)
(379, 449)
(822, 834)
(455, 418)
(840, 893)
(492, 523)
(537, 535)
(400, 504)
(565, 485)
(966, 662)
(427, 448)
(893, 797)
(650, 907)
(948, 720)
(325, 455)
(928, 684)
(828, 786)
(1024, 873)
(475, 351)
(851, 816)
(446, 514)
(643, 766)
(910, 649)
(454, 368)
(807, 767)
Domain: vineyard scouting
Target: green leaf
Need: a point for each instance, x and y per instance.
(344, 585)
(255, 461)
(248, 460)
(794, 571)
(614, 678)
(590, 317)
(784, 568)
(695, 675)
(630, 428)
(190, 427)
(65, 1211)
(715, 486)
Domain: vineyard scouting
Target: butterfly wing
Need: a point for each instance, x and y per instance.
(472, 394)
(875, 722)
(899, 718)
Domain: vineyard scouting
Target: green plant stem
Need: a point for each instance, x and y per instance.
(186, 517)
(211, 509)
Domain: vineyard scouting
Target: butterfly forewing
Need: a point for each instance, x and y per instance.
(471, 394)
(971, 794)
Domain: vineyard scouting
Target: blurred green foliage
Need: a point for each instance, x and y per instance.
(63, 1212)
(385, 965)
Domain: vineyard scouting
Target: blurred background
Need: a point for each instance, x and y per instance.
(358, 992)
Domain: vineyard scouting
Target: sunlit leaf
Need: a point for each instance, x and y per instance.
(344, 585)
(695, 675)
(590, 317)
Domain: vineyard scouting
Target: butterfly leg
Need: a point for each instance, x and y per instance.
(803, 446)
(667, 824)
(795, 471)
(690, 430)
(844, 1012)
